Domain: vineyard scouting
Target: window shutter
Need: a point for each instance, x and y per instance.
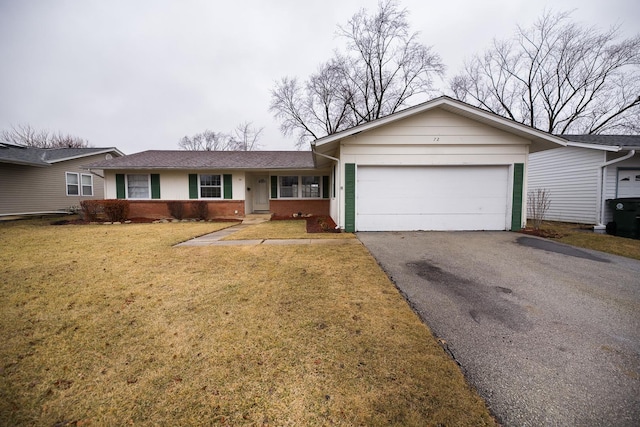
(325, 187)
(155, 185)
(228, 186)
(274, 187)
(193, 185)
(516, 206)
(120, 192)
(350, 197)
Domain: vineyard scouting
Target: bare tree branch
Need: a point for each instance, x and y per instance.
(558, 76)
(25, 134)
(382, 70)
(246, 137)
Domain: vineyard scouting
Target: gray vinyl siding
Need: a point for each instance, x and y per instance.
(571, 175)
(28, 189)
(611, 174)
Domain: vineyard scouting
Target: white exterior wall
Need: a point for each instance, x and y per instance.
(572, 177)
(174, 185)
(610, 180)
(434, 137)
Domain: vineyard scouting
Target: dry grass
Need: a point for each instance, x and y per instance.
(110, 325)
(582, 236)
(283, 229)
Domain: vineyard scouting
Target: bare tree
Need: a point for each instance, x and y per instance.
(27, 135)
(207, 141)
(384, 68)
(246, 137)
(559, 77)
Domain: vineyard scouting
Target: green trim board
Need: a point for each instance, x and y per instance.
(518, 188)
(193, 185)
(350, 197)
(274, 187)
(120, 188)
(227, 183)
(325, 186)
(155, 186)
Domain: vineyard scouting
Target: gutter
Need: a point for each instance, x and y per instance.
(630, 154)
(336, 178)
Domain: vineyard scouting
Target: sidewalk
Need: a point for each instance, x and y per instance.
(214, 239)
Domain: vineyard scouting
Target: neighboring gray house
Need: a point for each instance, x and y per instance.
(582, 176)
(48, 180)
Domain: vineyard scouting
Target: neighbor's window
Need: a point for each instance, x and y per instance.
(87, 184)
(210, 186)
(138, 186)
(288, 186)
(310, 186)
(73, 188)
(77, 182)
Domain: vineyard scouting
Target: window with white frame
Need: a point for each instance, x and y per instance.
(288, 186)
(308, 187)
(210, 186)
(79, 184)
(138, 186)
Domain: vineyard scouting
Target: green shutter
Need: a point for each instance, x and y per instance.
(325, 187)
(350, 197)
(155, 186)
(274, 187)
(228, 186)
(193, 185)
(120, 193)
(516, 206)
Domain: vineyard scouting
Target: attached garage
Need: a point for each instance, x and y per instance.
(394, 198)
(441, 165)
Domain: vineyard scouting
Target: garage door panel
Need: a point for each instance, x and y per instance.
(432, 198)
(433, 222)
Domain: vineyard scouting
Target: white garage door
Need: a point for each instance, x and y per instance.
(403, 198)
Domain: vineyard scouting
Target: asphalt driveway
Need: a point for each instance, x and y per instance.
(548, 334)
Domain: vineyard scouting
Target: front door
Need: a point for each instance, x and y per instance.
(260, 193)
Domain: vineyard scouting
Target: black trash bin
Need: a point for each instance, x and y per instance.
(626, 217)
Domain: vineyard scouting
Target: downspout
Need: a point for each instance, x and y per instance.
(336, 178)
(630, 154)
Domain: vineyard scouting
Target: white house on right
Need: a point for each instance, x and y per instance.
(582, 176)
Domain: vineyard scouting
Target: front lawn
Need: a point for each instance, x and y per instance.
(582, 236)
(112, 325)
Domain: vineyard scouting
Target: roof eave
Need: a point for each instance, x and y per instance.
(25, 163)
(457, 107)
(93, 153)
(595, 146)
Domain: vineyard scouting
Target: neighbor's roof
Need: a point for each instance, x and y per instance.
(616, 142)
(202, 160)
(43, 157)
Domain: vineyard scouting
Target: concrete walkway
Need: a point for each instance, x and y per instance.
(214, 239)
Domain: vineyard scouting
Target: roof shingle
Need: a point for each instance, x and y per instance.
(608, 140)
(202, 160)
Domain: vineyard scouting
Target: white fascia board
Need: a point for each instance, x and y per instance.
(93, 153)
(614, 148)
(453, 106)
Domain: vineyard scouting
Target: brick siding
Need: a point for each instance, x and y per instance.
(281, 207)
(159, 209)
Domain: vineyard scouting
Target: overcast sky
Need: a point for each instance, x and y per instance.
(139, 75)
